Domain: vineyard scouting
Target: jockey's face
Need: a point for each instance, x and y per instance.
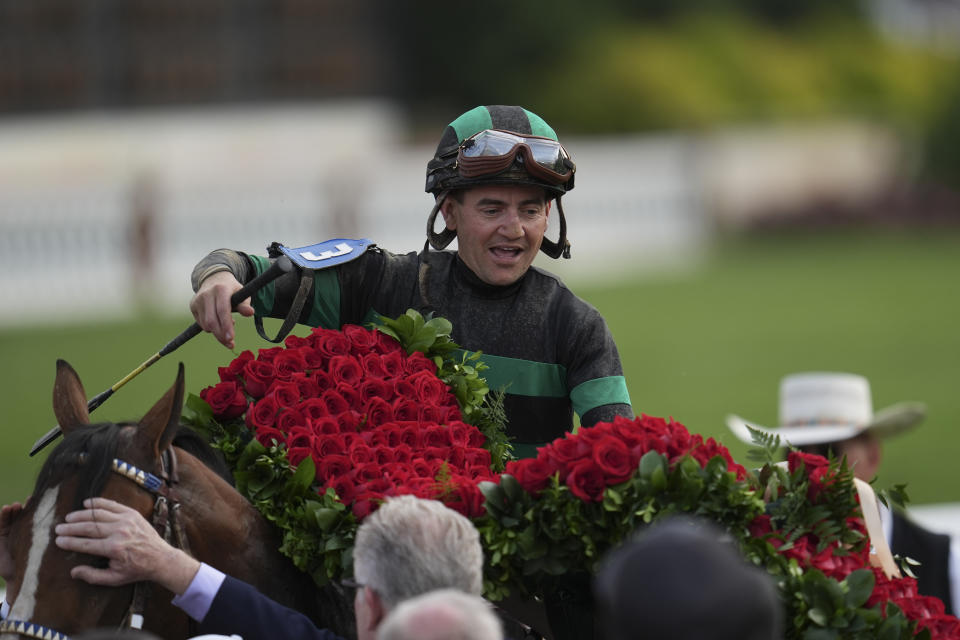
(499, 229)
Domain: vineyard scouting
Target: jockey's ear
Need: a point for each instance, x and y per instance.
(69, 399)
(160, 424)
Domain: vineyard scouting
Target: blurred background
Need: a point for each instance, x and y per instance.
(764, 186)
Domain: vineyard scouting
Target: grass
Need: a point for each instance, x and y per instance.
(696, 345)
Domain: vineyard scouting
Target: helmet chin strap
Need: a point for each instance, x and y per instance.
(562, 246)
(441, 240)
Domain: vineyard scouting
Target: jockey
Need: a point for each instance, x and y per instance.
(496, 175)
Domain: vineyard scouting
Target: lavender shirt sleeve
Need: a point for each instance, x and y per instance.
(198, 597)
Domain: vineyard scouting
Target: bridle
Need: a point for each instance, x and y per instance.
(167, 522)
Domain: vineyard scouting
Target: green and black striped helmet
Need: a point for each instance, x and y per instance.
(520, 148)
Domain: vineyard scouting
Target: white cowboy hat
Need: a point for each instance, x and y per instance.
(818, 408)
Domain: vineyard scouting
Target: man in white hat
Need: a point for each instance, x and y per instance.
(826, 413)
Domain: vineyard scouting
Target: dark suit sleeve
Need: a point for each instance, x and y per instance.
(240, 609)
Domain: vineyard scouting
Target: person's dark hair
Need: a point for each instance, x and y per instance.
(679, 580)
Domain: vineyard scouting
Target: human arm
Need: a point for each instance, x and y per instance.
(215, 279)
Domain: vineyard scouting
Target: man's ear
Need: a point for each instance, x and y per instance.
(375, 606)
(448, 209)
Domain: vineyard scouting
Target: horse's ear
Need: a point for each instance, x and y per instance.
(69, 399)
(161, 422)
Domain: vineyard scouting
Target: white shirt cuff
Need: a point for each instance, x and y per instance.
(4, 610)
(198, 597)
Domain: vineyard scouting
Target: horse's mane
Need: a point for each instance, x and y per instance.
(98, 444)
(195, 444)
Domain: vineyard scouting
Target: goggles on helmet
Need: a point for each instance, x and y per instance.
(493, 151)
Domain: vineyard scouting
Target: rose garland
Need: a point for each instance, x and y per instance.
(320, 431)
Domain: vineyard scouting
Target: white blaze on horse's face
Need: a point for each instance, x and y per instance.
(43, 520)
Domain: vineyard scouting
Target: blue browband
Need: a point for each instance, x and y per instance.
(143, 478)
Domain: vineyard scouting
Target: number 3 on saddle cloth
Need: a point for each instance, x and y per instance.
(308, 260)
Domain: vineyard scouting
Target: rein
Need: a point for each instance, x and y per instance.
(167, 522)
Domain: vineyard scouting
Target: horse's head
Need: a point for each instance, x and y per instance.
(83, 466)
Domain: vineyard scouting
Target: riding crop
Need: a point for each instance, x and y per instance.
(279, 267)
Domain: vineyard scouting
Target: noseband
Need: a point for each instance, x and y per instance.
(166, 520)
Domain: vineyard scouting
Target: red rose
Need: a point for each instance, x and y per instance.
(359, 452)
(345, 489)
(466, 497)
(594, 434)
(585, 480)
(365, 504)
(460, 433)
(434, 436)
(296, 455)
(384, 455)
(563, 452)
(406, 409)
(372, 366)
(476, 457)
(295, 342)
(387, 344)
(366, 472)
(288, 362)
(345, 369)
(257, 377)
(403, 389)
(325, 425)
(336, 404)
(287, 394)
(437, 453)
(290, 418)
(323, 380)
(231, 373)
(349, 420)
(301, 437)
(431, 413)
(330, 343)
(614, 459)
(313, 357)
(268, 436)
(941, 627)
(329, 445)
(262, 413)
(392, 364)
(429, 388)
(403, 433)
(306, 384)
(919, 607)
(267, 354)
(314, 408)
(226, 399)
(796, 459)
(379, 412)
(533, 474)
(375, 388)
(403, 453)
(361, 340)
(416, 361)
(333, 466)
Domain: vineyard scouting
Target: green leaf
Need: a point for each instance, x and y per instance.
(305, 474)
(860, 585)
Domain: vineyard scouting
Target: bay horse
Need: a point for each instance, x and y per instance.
(140, 465)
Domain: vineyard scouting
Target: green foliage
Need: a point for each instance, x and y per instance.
(531, 540)
(716, 68)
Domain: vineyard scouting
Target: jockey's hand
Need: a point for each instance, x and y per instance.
(8, 513)
(134, 549)
(211, 306)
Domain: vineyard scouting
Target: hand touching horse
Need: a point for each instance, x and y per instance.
(135, 464)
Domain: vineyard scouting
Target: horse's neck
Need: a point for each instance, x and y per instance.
(225, 531)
